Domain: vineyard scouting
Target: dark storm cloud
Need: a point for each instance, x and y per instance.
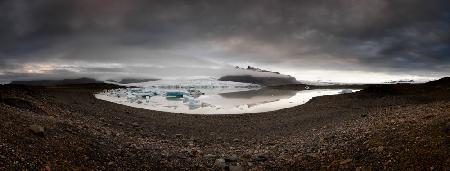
(365, 35)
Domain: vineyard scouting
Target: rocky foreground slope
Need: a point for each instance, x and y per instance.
(395, 127)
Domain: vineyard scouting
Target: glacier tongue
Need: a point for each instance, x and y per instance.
(209, 85)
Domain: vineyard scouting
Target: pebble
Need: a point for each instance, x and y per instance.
(361, 168)
(380, 149)
(220, 163)
(37, 130)
(246, 156)
(345, 161)
(232, 158)
(236, 168)
(135, 124)
(446, 128)
(189, 152)
(260, 158)
(209, 156)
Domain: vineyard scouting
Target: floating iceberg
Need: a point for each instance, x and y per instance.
(193, 84)
(175, 94)
(193, 103)
(345, 91)
(195, 93)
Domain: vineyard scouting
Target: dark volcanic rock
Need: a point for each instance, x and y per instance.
(260, 158)
(232, 158)
(446, 128)
(236, 168)
(22, 104)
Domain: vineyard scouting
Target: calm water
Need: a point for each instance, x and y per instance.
(252, 101)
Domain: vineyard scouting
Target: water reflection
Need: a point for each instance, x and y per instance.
(252, 98)
(260, 93)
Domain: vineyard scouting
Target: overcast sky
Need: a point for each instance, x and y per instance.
(340, 40)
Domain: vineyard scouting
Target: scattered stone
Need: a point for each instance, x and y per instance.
(260, 158)
(110, 163)
(236, 168)
(363, 115)
(191, 152)
(346, 161)
(362, 168)
(220, 163)
(446, 128)
(235, 140)
(246, 156)
(121, 124)
(232, 158)
(380, 149)
(108, 132)
(178, 135)
(37, 130)
(209, 156)
(313, 155)
(135, 124)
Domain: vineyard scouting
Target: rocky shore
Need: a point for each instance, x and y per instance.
(383, 127)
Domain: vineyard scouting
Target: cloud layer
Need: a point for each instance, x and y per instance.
(169, 38)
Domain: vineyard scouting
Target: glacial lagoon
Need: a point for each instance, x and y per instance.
(214, 101)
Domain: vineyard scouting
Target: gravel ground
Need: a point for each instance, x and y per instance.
(399, 127)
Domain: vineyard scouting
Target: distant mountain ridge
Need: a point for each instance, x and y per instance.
(83, 80)
(256, 69)
(133, 80)
(440, 85)
(400, 81)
